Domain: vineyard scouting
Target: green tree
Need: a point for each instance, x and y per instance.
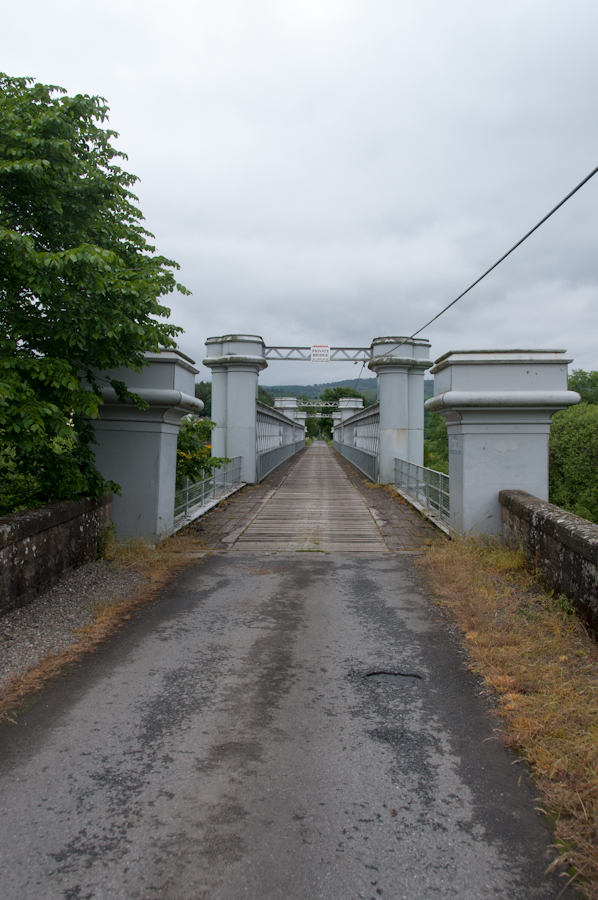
(80, 285)
(436, 443)
(332, 395)
(194, 449)
(574, 460)
(586, 384)
(264, 396)
(203, 391)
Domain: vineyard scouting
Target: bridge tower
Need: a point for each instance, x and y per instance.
(400, 373)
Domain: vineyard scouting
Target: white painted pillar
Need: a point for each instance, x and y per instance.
(348, 406)
(337, 429)
(241, 356)
(401, 397)
(498, 406)
(137, 448)
(287, 406)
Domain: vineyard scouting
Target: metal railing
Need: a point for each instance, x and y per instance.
(277, 438)
(361, 430)
(192, 498)
(426, 488)
(361, 459)
(358, 440)
(271, 459)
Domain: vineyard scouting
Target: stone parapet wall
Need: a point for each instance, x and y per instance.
(38, 545)
(562, 545)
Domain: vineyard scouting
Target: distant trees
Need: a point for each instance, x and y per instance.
(332, 395)
(264, 397)
(203, 392)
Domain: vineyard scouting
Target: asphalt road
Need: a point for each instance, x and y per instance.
(232, 742)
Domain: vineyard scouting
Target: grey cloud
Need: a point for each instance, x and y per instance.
(328, 170)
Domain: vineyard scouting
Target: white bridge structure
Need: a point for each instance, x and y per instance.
(497, 404)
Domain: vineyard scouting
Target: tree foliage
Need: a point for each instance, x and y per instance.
(264, 396)
(331, 395)
(194, 449)
(586, 384)
(80, 285)
(574, 460)
(435, 442)
(203, 391)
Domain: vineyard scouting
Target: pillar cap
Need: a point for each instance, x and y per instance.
(399, 361)
(235, 337)
(172, 354)
(405, 341)
(498, 357)
(234, 359)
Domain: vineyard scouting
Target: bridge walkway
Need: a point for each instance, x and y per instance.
(314, 501)
(316, 508)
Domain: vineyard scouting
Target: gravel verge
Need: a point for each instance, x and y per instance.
(49, 624)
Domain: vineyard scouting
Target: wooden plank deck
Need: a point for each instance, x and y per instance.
(315, 508)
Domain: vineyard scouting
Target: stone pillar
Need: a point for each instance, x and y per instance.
(287, 406)
(498, 405)
(240, 358)
(137, 448)
(400, 374)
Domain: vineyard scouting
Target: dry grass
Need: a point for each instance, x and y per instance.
(542, 666)
(156, 565)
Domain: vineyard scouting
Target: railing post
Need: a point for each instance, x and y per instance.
(401, 395)
(498, 405)
(241, 358)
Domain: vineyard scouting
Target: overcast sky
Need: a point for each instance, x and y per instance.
(328, 171)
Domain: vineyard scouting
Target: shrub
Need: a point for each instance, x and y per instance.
(574, 460)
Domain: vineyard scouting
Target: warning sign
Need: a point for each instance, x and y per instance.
(320, 353)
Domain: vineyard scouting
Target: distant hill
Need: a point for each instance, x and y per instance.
(367, 386)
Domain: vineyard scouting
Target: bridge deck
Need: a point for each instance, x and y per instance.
(316, 508)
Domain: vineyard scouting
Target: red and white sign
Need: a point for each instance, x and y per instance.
(320, 353)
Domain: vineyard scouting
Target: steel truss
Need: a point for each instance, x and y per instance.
(337, 354)
(328, 404)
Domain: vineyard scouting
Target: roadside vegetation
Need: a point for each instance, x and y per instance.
(539, 662)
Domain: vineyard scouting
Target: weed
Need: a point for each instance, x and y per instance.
(106, 539)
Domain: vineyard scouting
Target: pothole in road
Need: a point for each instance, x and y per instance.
(391, 677)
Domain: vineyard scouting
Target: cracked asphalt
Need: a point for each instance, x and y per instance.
(232, 741)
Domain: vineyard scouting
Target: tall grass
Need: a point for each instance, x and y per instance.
(542, 666)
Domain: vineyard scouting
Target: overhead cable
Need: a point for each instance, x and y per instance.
(498, 262)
